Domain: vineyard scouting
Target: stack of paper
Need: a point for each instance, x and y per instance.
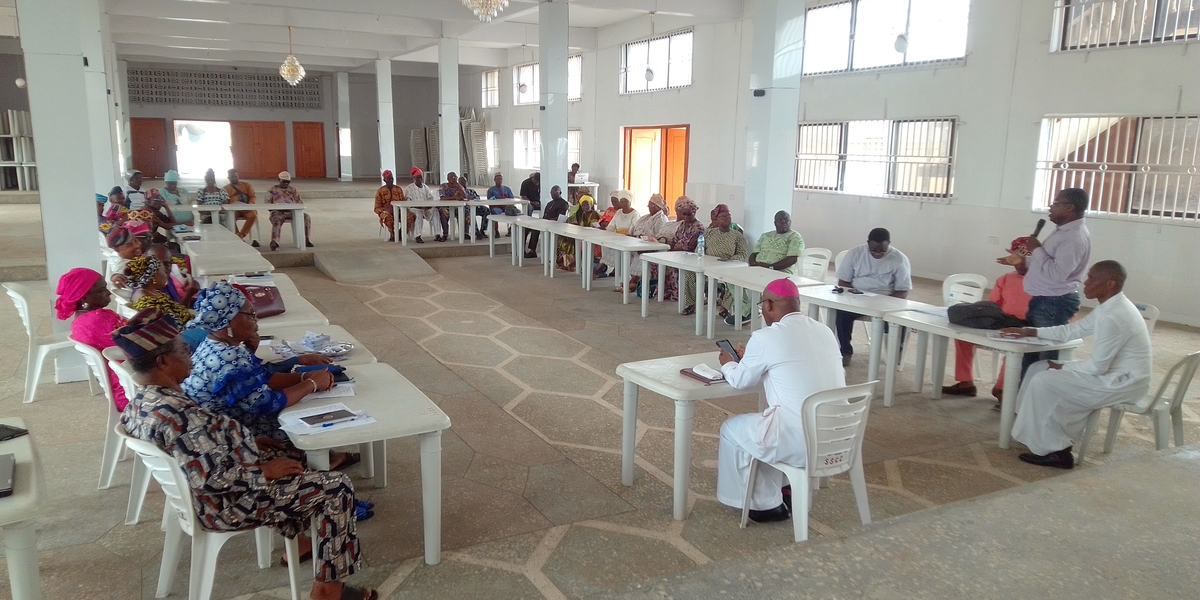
(323, 419)
(339, 390)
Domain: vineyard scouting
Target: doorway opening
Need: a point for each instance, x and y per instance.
(656, 162)
(203, 145)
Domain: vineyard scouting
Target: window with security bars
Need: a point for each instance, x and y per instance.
(913, 158)
(525, 84)
(1144, 167)
(574, 139)
(575, 78)
(1085, 24)
(658, 63)
(491, 88)
(854, 35)
(491, 140)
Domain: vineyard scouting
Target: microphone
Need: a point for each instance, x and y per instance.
(1037, 230)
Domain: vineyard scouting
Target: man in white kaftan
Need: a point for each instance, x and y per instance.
(417, 191)
(794, 357)
(1057, 398)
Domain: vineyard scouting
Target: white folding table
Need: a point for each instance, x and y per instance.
(489, 204)
(359, 356)
(751, 279)
(400, 410)
(515, 242)
(943, 331)
(400, 206)
(683, 261)
(661, 376)
(623, 244)
(215, 259)
(298, 312)
(872, 306)
(18, 511)
(297, 211)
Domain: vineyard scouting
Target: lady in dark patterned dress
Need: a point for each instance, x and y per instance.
(236, 484)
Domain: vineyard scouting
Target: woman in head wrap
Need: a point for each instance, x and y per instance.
(117, 206)
(83, 294)
(176, 196)
(586, 216)
(388, 193)
(687, 234)
(650, 228)
(149, 280)
(614, 201)
(239, 481)
(227, 377)
(125, 247)
(621, 222)
(722, 241)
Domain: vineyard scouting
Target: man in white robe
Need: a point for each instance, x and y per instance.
(794, 357)
(1056, 398)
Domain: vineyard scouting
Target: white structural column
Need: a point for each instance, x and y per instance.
(345, 164)
(51, 38)
(91, 40)
(121, 91)
(448, 128)
(387, 127)
(553, 22)
(776, 58)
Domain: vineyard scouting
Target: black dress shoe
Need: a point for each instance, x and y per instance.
(1059, 460)
(779, 513)
(846, 360)
(787, 497)
(254, 243)
(530, 255)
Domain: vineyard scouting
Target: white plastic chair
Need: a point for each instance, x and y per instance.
(1149, 314)
(112, 444)
(140, 483)
(814, 263)
(837, 261)
(1165, 407)
(206, 545)
(39, 346)
(835, 423)
(969, 287)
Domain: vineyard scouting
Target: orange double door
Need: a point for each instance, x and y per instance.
(260, 148)
(656, 162)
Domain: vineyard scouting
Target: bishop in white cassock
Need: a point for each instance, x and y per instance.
(1056, 398)
(794, 357)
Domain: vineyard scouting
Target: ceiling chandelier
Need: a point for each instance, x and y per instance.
(291, 70)
(486, 10)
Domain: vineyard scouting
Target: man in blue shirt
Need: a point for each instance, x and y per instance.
(497, 192)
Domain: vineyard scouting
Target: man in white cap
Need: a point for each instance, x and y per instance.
(133, 192)
(284, 193)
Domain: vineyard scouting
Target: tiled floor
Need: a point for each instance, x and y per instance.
(533, 504)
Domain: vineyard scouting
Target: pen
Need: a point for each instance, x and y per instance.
(332, 424)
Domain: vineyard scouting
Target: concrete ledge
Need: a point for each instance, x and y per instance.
(18, 197)
(451, 250)
(33, 272)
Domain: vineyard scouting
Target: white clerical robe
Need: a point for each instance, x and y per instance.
(794, 358)
(1053, 405)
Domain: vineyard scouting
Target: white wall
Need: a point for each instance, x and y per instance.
(414, 105)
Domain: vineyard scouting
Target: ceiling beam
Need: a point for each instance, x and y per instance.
(182, 15)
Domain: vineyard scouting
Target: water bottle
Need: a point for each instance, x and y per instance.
(700, 246)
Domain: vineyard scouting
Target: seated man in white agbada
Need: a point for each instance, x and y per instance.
(1057, 397)
(794, 357)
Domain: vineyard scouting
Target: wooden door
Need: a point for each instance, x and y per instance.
(675, 162)
(308, 144)
(241, 139)
(259, 148)
(148, 143)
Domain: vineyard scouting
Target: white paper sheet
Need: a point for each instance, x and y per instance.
(291, 422)
(340, 390)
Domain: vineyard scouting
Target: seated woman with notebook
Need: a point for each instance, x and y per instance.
(227, 377)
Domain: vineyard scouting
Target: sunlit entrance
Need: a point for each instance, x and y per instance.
(656, 161)
(203, 145)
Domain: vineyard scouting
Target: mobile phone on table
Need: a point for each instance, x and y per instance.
(854, 291)
(8, 432)
(329, 418)
(727, 347)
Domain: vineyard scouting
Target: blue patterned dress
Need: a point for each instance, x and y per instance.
(232, 380)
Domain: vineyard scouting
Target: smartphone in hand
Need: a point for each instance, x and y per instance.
(727, 347)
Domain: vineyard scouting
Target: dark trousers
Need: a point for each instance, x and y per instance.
(844, 324)
(531, 240)
(1048, 311)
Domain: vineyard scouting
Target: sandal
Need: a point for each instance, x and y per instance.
(361, 513)
(691, 310)
(350, 592)
(352, 458)
(304, 557)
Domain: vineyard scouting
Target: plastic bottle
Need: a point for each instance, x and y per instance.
(700, 246)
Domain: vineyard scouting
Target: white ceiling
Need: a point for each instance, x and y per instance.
(351, 34)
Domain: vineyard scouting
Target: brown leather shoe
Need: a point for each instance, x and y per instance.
(962, 388)
(997, 393)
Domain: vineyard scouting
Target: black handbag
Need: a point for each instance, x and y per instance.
(982, 315)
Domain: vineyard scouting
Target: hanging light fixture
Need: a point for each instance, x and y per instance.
(291, 70)
(486, 10)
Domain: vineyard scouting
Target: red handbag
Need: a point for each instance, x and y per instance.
(267, 300)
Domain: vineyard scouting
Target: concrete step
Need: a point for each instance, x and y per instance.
(18, 197)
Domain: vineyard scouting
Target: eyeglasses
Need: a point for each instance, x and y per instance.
(249, 315)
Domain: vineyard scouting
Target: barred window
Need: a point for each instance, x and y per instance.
(527, 147)
(575, 78)
(913, 158)
(1144, 167)
(854, 35)
(1087, 24)
(525, 84)
(657, 63)
(491, 88)
(491, 141)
